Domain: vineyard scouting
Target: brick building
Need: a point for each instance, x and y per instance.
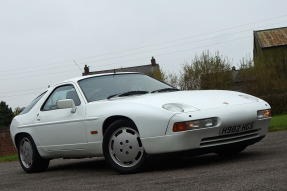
(6, 144)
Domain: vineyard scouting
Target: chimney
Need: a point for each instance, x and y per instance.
(86, 70)
(153, 62)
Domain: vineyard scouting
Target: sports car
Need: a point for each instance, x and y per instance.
(127, 117)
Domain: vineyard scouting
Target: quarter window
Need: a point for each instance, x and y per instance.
(60, 93)
(32, 104)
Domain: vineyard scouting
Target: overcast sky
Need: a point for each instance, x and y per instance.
(40, 40)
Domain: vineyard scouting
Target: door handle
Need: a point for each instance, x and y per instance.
(38, 117)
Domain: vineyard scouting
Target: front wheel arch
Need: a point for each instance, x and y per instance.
(112, 119)
(18, 137)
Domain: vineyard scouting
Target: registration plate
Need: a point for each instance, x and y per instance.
(232, 129)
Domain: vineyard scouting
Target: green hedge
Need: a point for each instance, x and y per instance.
(278, 103)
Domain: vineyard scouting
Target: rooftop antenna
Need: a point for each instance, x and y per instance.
(78, 66)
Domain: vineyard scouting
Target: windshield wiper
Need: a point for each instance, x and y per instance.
(128, 94)
(165, 90)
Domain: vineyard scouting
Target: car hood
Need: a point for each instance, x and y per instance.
(192, 100)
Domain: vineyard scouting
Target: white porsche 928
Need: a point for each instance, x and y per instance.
(127, 116)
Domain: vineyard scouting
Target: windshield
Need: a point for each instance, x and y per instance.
(102, 87)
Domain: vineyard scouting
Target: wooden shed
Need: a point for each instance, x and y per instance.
(270, 45)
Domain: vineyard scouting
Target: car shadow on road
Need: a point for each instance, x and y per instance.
(174, 162)
(155, 163)
(96, 163)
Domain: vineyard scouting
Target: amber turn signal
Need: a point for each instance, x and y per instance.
(94, 132)
(181, 126)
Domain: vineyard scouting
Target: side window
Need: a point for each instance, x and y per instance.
(60, 93)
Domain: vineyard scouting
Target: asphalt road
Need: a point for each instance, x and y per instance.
(262, 166)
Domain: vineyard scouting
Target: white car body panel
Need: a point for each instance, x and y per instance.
(66, 124)
(192, 139)
(61, 133)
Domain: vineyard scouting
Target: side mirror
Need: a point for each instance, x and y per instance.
(21, 109)
(67, 103)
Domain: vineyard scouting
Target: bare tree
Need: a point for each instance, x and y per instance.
(206, 72)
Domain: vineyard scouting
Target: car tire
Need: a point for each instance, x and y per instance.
(29, 157)
(231, 150)
(122, 147)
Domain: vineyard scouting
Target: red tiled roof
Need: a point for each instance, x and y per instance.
(272, 37)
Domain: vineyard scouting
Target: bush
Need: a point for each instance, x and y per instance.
(278, 103)
(206, 71)
(264, 78)
(6, 114)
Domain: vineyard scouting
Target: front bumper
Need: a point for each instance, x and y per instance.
(209, 137)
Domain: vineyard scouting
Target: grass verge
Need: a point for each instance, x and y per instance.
(278, 123)
(9, 158)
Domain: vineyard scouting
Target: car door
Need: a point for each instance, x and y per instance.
(60, 129)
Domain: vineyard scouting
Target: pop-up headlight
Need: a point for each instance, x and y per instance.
(173, 107)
